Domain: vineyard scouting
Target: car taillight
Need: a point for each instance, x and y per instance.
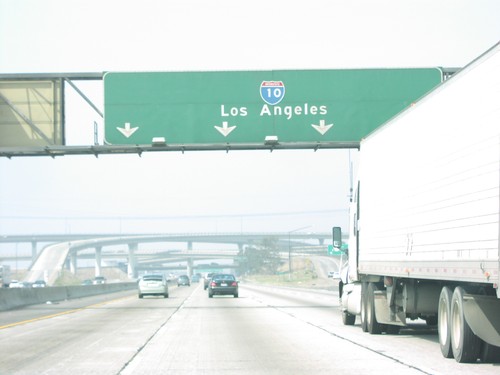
(234, 283)
(213, 283)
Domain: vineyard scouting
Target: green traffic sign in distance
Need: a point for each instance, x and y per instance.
(336, 251)
(247, 106)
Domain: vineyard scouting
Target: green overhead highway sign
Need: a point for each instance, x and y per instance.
(245, 107)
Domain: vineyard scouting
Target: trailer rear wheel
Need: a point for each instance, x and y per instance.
(373, 326)
(444, 325)
(465, 344)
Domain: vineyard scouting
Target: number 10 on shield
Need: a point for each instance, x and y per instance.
(272, 92)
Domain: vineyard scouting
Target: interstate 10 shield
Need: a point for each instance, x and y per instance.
(272, 92)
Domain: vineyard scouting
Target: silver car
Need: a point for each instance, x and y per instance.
(39, 284)
(153, 285)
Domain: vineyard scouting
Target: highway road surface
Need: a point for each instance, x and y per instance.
(267, 330)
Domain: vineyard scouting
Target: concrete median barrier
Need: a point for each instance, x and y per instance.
(11, 298)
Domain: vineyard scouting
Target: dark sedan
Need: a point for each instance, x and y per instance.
(223, 284)
(183, 280)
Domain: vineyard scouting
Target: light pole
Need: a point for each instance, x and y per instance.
(290, 251)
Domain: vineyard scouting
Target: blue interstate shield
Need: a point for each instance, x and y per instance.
(272, 92)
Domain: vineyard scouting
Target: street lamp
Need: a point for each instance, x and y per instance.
(290, 251)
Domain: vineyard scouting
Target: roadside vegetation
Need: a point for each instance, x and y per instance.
(302, 275)
(263, 264)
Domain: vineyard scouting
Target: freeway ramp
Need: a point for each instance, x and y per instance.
(49, 263)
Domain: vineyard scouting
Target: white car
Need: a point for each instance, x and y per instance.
(153, 284)
(16, 284)
(39, 284)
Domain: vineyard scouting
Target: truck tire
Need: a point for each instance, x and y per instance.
(465, 344)
(444, 325)
(392, 329)
(372, 325)
(348, 319)
(364, 326)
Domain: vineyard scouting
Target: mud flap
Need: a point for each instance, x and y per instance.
(384, 313)
(481, 313)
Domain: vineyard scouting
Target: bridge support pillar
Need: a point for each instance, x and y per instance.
(34, 252)
(189, 263)
(73, 265)
(98, 257)
(132, 262)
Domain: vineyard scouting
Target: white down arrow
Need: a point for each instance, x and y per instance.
(322, 128)
(225, 129)
(127, 131)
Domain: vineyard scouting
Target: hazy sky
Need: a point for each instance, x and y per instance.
(209, 191)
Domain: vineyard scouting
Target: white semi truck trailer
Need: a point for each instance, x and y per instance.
(424, 231)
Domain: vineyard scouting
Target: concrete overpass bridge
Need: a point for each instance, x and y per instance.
(68, 248)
